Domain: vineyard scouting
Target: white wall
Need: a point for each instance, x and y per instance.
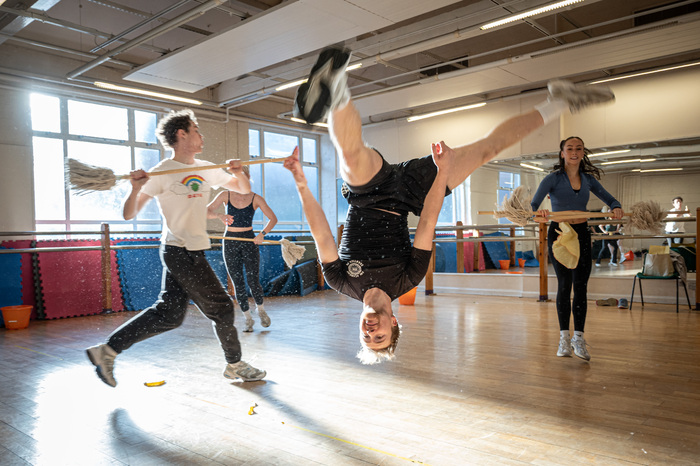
(17, 187)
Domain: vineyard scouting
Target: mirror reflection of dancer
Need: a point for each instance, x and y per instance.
(569, 186)
(376, 262)
(676, 227)
(612, 245)
(240, 255)
(182, 199)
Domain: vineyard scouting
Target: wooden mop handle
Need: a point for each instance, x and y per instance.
(206, 167)
(563, 213)
(230, 238)
(567, 215)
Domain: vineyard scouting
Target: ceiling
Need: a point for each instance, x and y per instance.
(417, 56)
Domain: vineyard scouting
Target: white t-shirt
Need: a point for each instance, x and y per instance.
(676, 227)
(182, 199)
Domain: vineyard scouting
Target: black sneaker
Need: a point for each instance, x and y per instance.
(326, 85)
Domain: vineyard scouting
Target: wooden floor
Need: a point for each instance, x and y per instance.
(476, 381)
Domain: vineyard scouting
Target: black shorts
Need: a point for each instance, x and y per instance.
(398, 188)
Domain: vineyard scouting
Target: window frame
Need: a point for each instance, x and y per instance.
(302, 224)
(68, 223)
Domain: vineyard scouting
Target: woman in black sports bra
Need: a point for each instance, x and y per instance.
(240, 255)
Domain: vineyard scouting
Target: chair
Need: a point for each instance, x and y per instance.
(641, 276)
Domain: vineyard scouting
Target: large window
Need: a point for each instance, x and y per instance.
(507, 182)
(273, 182)
(113, 137)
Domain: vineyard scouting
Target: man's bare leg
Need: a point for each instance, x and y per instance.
(472, 156)
(358, 163)
(563, 96)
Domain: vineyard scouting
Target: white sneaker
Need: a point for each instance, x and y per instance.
(102, 357)
(564, 347)
(579, 97)
(264, 318)
(579, 347)
(243, 371)
(614, 264)
(248, 322)
(597, 264)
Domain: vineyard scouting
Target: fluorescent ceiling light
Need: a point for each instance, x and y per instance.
(531, 166)
(134, 90)
(658, 170)
(600, 154)
(299, 120)
(302, 81)
(443, 112)
(529, 13)
(615, 162)
(292, 84)
(670, 68)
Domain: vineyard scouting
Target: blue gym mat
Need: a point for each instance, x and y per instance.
(10, 280)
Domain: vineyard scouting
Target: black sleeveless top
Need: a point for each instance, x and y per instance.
(241, 217)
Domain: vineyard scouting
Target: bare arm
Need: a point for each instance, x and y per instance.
(239, 183)
(271, 218)
(135, 201)
(320, 230)
(443, 157)
(213, 205)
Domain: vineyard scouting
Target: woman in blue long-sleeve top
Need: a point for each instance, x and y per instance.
(569, 186)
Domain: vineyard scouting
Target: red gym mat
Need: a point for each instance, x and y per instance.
(71, 281)
(469, 255)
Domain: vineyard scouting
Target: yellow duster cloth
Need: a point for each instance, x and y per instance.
(566, 248)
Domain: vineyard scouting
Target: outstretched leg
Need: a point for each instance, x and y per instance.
(470, 157)
(563, 96)
(358, 162)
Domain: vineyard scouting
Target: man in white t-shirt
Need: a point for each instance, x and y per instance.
(182, 198)
(676, 227)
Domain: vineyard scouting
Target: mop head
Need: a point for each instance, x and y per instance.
(85, 178)
(566, 249)
(516, 208)
(648, 216)
(291, 252)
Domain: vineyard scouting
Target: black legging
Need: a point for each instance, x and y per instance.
(237, 256)
(186, 275)
(577, 277)
(613, 254)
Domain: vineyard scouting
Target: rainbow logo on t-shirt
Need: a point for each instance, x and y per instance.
(193, 182)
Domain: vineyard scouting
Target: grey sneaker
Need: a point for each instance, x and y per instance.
(606, 302)
(564, 347)
(102, 357)
(623, 304)
(248, 322)
(579, 347)
(579, 97)
(264, 318)
(243, 371)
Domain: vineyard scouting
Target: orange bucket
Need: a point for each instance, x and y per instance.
(16, 317)
(521, 262)
(409, 297)
(505, 264)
